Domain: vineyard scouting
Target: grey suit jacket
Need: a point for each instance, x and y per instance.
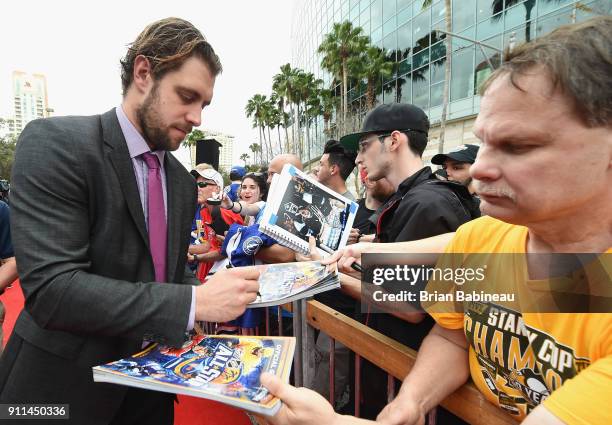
(84, 262)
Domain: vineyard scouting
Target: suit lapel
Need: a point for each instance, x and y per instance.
(175, 193)
(119, 156)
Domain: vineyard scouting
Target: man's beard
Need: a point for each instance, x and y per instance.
(151, 124)
(381, 195)
(466, 182)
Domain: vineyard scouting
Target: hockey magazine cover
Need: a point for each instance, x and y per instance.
(221, 368)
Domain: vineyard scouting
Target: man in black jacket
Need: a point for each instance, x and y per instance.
(390, 146)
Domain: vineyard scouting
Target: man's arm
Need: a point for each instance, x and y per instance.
(441, 367)
(8, 273)
(434, 245)
(276, 254)
(442, 360)
(302, 406)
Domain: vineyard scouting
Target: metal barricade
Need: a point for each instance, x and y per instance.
(387, 354)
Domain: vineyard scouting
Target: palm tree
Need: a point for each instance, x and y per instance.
(256, 108)
(269, 122)
(312, 111)
(328, 105)
(281, 115)
(274, 118)
(284, 84)
(307, 89)
(338, 46)
(373, 66)
(191, 140)
(244, 157)
(255, 148)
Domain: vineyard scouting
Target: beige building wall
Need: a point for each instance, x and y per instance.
(457, 132)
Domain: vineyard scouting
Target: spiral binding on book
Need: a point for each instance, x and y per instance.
(285, 238)
(294, 194)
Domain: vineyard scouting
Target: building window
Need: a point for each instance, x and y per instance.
(376, 13)
(404, 89)
(388, 9)
(420, 87)
(437, 92)
(390, 43)
(462, 67)
(548, 23)
(390, 92)
(404, 15)
(463, 15)
(489, 27)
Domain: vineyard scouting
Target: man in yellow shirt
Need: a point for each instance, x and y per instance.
(544, 175)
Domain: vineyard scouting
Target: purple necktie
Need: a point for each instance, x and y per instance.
(158, 233)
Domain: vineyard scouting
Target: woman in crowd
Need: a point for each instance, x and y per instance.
(242, 243)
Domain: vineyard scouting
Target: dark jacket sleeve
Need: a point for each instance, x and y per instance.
(6, 245)
(52, 228)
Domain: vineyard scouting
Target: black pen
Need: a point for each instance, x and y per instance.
(354, 266)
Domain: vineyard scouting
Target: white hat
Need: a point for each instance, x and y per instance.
(209, 174)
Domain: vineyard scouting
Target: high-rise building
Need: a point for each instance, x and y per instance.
(29, 99)
(226, 151)
(407, 30)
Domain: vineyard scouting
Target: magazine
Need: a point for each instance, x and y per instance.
(221, 368)
(286, 282)
(299, 206)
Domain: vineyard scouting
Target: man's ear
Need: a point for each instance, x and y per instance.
(142, 74)
(396, 140)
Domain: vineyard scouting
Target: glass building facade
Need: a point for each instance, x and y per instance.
(407, 30)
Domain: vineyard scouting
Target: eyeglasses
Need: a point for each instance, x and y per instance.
(205, 184)
(253, 175)
(363, 144)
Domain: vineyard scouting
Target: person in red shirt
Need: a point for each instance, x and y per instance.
(209, 221)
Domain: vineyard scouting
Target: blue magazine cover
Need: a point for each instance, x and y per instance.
(221, 368)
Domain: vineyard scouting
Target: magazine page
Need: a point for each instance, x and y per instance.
(221, 368)
(300, 206)
(280, 283)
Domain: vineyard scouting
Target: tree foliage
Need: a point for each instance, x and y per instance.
(8, 144)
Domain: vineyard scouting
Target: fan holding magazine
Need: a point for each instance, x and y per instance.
(299, 206)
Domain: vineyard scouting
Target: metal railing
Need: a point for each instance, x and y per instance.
(389, 355)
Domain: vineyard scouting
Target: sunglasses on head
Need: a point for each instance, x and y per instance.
(205, 184)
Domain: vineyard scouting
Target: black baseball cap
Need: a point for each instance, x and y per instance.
(462, 153)
(387, 118)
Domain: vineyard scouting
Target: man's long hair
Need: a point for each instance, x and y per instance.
(167, 44)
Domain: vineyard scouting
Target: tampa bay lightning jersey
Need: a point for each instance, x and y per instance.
(243, 242)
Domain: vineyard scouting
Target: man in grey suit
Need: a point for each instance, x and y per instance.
(101, 221)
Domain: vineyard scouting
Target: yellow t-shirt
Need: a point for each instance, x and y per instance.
(519, 360)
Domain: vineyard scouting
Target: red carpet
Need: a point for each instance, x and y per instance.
(188, 411)
(13, 303)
